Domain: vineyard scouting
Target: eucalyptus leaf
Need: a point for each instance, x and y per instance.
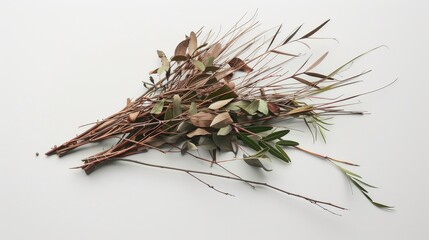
(219, 104)
(157, 108)
(198, 64)
(206, 143)
(252, 107)
(188, 146)
(223, 142)
(192, 109)
(177, 109)
(263, 107)
(224, 131)
(255, 162)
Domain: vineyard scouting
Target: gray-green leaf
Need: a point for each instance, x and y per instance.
(157, 108)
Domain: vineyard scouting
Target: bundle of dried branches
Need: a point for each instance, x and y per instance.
(223, 95)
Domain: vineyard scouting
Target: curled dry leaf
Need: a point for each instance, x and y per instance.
(181, 48)
(133, 116)
(221, 120)
(240, 65)
(215, 50)
(274, 109)
(193, 44)
(197, 132)
(220, 104)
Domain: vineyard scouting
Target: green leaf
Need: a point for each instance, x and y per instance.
(255, 162)
(258, 129)
(223, 142)
(198, 64)
(224, 131)
(168, 114)
(275, 151)
(260, 153)
(177, 109)
(192, 109)
(276, 135)
(157, 108)
(252, 107)
(263, 107)
(206, 143)
(208, 61)
(165, 64)
(236, 106)
(249, 142)
(287, 143)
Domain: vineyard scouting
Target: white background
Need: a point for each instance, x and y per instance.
(67, 63)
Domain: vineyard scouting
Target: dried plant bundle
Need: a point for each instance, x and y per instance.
(230, 94)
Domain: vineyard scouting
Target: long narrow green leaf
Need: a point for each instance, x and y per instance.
(287, 143)
(258, 129)
(276, 135)
(249, 142)
(274, 151)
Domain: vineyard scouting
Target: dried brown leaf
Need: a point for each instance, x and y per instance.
(219, 104)
(317, 62)
(133, 116)
(197, 132)
(221, 120)
(181, 48)
(315, 30)
(240, 65)
(202, 119)
(193, 44)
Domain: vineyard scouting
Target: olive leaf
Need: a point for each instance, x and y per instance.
(276, 135)
(287, 143)
(258, 129)
(249, 142)
(277, 152)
